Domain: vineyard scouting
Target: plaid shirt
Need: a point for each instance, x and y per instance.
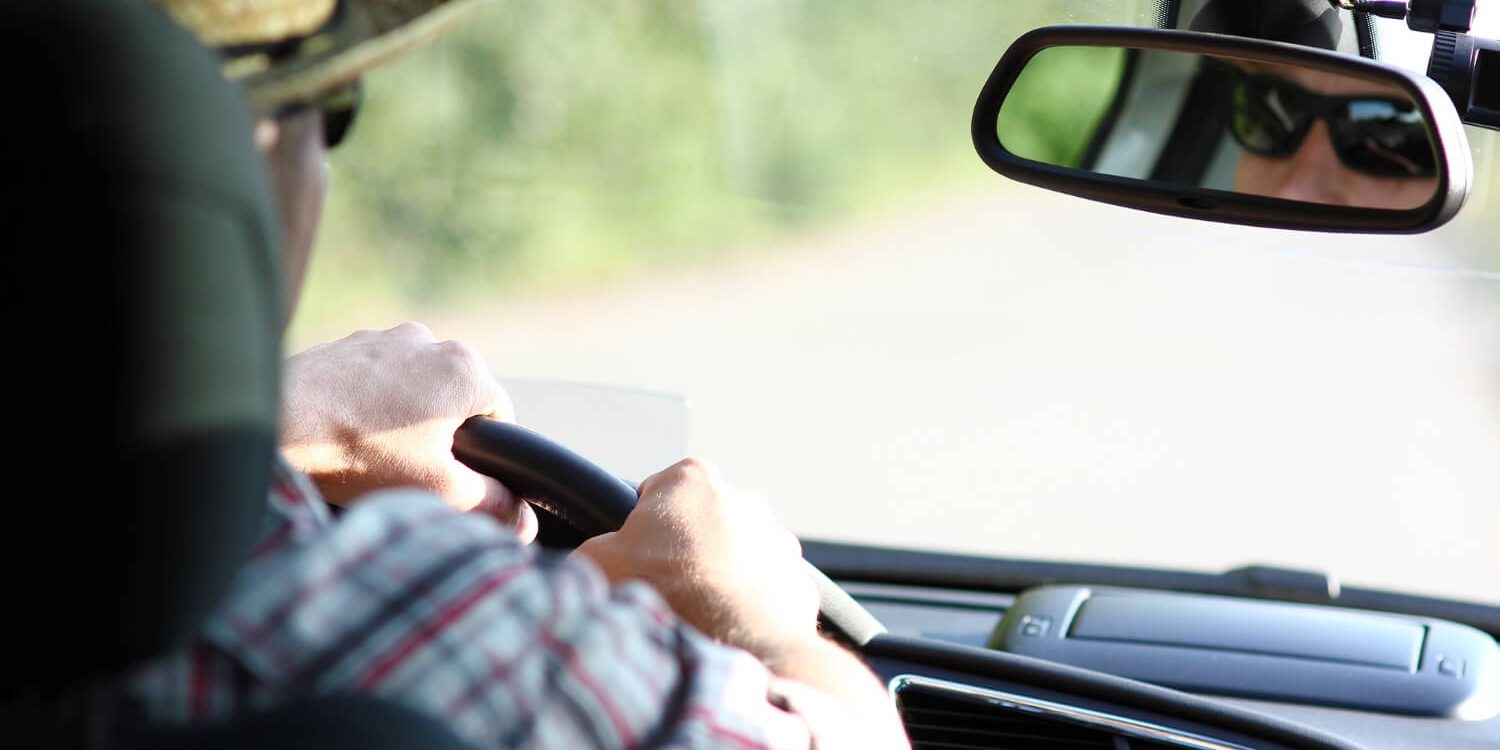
(514, 647)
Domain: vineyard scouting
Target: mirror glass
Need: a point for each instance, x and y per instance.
(1223, 123)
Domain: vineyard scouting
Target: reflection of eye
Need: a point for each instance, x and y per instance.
(1382, 137)
(1252, 124)
(1264, 118)
(1376, 136)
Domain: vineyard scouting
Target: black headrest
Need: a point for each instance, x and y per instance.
(1312, 23)
(143, 233)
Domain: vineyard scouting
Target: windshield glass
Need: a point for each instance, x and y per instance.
(774, 208)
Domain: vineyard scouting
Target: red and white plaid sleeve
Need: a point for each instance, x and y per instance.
(447, 612)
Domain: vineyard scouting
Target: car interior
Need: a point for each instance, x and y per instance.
(978, 652)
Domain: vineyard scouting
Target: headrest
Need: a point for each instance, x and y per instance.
(143, 233)
(1311, 23)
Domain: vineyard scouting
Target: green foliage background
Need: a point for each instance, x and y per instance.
(556, 142)
(1039, 124)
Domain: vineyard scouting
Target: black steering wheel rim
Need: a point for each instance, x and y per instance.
(594, 501)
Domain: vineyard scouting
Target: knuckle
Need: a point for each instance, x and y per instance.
(461, 353)
(463, 362)
(695, 468)
(692, 473)
(414, 329)
(691, 463)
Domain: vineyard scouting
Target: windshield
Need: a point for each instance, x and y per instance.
(774, 208)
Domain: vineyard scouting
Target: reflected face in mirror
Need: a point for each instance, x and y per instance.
(1223, 123)
(1328, 138)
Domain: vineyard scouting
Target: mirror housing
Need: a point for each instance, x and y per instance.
(1454, 165)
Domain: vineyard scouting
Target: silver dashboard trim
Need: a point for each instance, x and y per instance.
(1063, 712)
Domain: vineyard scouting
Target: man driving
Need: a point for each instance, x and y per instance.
(1322, 137)
(692, 626)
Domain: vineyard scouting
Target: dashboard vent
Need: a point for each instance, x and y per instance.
(944, 716)
(936, 721)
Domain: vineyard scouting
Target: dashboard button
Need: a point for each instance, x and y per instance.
(1035, 625)
(1450, 667)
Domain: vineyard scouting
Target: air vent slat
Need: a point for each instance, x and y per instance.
(987, 745)
(943, 715)
(1088, 740)
(928, 745)
(959, 734)
(940, 721)
(997, 721)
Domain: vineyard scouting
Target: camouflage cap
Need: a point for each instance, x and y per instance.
(283, 51)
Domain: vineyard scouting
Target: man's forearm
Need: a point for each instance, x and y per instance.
(843, 702)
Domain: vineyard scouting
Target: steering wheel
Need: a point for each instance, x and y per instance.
(593, 501)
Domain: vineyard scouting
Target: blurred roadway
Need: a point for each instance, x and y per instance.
(1031, 375)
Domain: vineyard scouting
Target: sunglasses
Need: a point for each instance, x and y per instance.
(337, 107)
(1374, 135)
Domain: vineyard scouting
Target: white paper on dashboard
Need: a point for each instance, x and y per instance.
(632, 433)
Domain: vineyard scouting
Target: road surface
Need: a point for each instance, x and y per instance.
(1031, 375)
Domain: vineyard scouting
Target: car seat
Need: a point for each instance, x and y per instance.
(144, 290)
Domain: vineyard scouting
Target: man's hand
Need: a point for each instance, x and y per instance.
(378, 409)
(726, 566)
(718, 556)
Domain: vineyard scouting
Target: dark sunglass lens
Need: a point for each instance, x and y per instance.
(1384, 138)
(338, 114)
(1265, 120)
(336, 125)
(1251, 125)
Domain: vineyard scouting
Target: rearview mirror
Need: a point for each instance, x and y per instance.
(1225, 129)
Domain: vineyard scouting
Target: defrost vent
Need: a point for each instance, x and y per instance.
(942, 715)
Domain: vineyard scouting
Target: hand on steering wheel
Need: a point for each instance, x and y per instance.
(593, 501)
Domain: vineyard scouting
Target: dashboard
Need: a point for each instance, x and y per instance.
(957, 689)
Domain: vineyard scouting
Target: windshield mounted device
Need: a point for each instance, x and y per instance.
(1466, 66)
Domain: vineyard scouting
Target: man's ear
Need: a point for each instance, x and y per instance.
(267, 135)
